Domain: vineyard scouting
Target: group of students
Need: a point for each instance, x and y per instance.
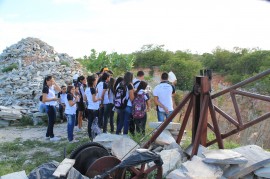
(100, 95)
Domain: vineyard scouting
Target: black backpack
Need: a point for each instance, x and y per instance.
(120, 99)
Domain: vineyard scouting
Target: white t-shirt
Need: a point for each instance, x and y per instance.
(89, 95)
(164, 92)
(146, 96)
(136, 83)
(100, 87)
(111, 96)
(70, 109)
(50, 94)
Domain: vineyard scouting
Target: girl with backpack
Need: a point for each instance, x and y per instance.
(124, 105)
(140, 105)
(92, 101)
(117, 82)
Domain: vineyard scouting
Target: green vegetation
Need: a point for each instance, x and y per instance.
(235, 65)
(10, 67)
(27, 155)
(26, 120)
(240, 64)
(65, 63)
(118, 63)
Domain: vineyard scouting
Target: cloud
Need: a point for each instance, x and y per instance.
(125, 26)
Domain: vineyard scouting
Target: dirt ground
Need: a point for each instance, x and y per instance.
(9, 134)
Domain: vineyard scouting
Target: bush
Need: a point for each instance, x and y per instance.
(26, 120)
(65, 63)
(10, 67)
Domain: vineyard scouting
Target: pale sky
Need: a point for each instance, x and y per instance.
(124, 26)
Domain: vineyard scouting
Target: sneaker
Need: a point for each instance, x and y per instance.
(73, 141)
(79, 130)
(54, 139)
(47, 138)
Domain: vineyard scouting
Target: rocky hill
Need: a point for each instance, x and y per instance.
(31, 59)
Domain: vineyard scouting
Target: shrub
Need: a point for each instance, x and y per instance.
(10, 67)
(65, 63)
(26, 120)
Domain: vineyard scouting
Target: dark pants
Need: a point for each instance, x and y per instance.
(100, 116)
(76, 119)
(61, 111)
(108, 113)
(140, 124)
(51, 111)
(92, 114)
(131, 125)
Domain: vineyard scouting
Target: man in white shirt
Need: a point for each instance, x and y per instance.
(138, 79)
(163, 94)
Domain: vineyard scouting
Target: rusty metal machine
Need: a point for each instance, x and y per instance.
(94, 160)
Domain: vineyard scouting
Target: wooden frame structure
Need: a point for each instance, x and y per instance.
(200, 102)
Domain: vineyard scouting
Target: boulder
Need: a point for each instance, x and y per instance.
(165, 138)
(106, 139)
(171, 125)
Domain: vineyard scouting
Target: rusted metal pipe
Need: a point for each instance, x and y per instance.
(242, 83)
(167, 121)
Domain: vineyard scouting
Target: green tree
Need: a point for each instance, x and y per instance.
(118, 63)
(185, 68)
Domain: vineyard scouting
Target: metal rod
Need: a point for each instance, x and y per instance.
(252, 95)
(167, 121)
(226, 116)
(215, 124)
(247, 125)
(210, 127)
(242, 83)
(200, 126)
(237, 112)
(185, 120)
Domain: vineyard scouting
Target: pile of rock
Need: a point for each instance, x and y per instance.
(243, 162)
(34, 60)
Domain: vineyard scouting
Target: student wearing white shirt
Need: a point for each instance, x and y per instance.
(102, 87)
(141, 123)
(70, 111)
(80, 105)
(108, 106)
(62, 96)
(48, 97)
(136, 81)
(92, 100)
(125, 114)
(163, 94)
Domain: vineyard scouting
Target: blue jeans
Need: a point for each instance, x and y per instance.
(42, 108)
(124, 117)
(163, 115)
(51, 111)
(70, 125)
(92, 114)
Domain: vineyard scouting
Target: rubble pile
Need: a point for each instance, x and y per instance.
(31, 59)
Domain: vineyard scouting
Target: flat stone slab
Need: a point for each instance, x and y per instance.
(165, 138)
(263, 172)
(256, 156)
(15, 175)
(196, 168)
(106, 139)
(223, 156)
(201, 149)
(171, 159)
(4, 123)
(171, 125)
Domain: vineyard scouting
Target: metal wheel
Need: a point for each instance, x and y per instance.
(101, 165)
(154, 172)
(86, 155)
